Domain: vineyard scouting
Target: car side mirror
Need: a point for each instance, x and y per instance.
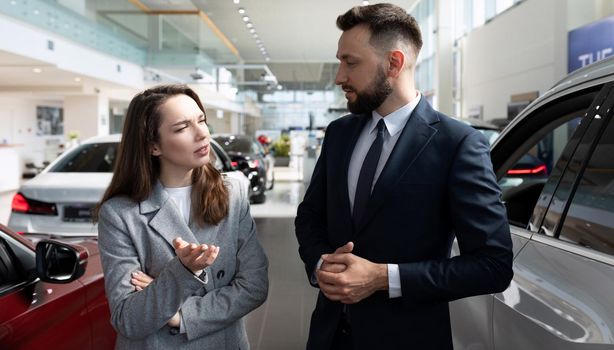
(58, 262)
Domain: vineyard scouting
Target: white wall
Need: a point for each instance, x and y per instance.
(513, 54)
(522, 50)
(20, 128)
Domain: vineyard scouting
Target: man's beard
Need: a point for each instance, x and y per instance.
(373, 96)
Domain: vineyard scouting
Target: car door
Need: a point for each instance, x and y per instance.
(34, 314)
(548, 132)
(562, 296)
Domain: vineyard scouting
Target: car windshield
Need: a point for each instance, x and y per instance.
(89, 158)
(233, 144)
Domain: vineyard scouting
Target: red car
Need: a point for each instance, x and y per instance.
(52, 294)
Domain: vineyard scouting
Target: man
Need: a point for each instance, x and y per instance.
(395, 183)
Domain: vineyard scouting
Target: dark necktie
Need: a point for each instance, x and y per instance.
(367, 172)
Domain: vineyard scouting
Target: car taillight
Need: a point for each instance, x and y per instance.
(538, 170)
(21, 204)
(253, 163)
(234, 164)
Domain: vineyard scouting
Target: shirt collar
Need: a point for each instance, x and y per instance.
(396, 120)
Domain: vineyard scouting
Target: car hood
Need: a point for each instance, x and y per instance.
(67, 187)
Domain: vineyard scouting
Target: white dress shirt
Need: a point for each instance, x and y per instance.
(395, 122)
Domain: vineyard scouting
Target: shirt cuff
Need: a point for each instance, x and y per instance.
(394, 281)
(314, 279)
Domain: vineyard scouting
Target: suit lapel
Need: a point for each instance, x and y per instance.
(166, 221)
(414, 138)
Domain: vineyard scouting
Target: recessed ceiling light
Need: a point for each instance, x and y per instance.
(77, 79)
(255, 35)
(236, 1)
(37, 70)
(241, 10)
(245, 19)
(267, 59)
(252, 30)
(13, 2)
(365, 3)
(249, 24)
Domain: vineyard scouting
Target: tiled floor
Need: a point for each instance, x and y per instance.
(282, 322)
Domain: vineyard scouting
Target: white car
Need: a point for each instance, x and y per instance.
(59, 200)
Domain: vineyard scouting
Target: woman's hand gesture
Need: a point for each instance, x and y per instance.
(195, 257)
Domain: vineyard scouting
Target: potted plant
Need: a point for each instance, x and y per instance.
(281, 150)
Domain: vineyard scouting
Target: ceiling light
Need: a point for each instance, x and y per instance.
(37, 70)
(249, 24)
(241, 10)
(245, 19)
(255, 35)
(267, 59)
(258, 41)
(279, 87)
(252, 30)
(77, 79)
(236, 1)
(365, 3)
(13, 2)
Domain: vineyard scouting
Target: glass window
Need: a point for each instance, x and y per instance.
(8, 268)
(233, 144)
(89, 158)
(590, 219)
(525, 180)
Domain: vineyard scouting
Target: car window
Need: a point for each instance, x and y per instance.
(89, 158)
(556, 195)
(233, 144)
(9, 267)
(524, 181)
(590, 218)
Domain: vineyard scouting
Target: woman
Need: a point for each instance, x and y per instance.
(168, 214)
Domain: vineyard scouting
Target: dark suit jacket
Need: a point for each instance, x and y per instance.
(437, 184)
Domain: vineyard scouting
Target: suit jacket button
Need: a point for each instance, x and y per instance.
(220, 274)
(174, 331)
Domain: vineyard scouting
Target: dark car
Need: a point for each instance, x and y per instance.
(52, 294)
(249, 157)
(562, 225)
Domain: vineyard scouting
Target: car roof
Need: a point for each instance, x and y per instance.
(478, 124)
(104, 139)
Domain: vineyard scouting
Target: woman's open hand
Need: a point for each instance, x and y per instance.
(195, 257)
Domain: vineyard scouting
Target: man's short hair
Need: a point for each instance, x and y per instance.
(388, 24)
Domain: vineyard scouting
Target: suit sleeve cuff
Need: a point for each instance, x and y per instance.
(181, 323)
(394, 281)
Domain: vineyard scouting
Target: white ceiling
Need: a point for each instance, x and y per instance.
(296, 31)
(300, 38)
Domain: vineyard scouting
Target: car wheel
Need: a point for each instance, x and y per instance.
(272, 183)
(259, 198)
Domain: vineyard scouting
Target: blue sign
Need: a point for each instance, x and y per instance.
(590, 43)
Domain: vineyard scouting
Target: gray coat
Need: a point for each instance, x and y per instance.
(138, 236)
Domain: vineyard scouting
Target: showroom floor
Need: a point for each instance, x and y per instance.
(282, 322)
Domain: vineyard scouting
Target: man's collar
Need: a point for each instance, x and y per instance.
(397, 119)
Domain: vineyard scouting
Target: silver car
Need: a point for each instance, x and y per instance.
(59, 200)
(562, 221)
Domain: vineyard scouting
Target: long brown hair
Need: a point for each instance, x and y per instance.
(136, 170)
